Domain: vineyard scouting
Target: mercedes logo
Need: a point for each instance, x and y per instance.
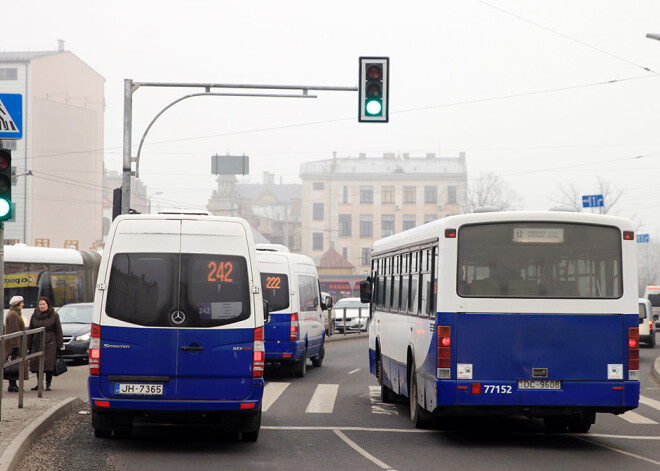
(178, 317)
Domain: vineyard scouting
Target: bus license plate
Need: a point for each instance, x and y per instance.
(133, 389)
(539, 384)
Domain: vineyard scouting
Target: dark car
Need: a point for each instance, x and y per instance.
(76, 322)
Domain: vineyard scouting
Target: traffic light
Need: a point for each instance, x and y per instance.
(374, 90)
(5, 185)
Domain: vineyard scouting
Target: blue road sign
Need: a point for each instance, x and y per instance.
(11, 116)
(643, 238)
(592, 201)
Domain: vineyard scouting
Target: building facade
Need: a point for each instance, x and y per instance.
(58, 185)
(351, 202)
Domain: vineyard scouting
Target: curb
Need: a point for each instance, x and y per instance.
(19, 445)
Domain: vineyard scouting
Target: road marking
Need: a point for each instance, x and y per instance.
(619, 451)
(272, 391)
(323, 400)
(354, 371)
(650, 402)
(378, 406)
(362, 451)
(635, 418)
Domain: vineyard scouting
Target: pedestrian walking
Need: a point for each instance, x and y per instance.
(45, 316)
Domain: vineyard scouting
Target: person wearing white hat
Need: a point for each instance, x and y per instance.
(14, 323)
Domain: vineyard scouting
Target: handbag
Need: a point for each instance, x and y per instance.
(11, 371)
(60, 366)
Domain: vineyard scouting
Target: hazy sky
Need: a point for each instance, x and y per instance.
(542, 92)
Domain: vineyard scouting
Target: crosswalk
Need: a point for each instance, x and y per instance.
(324, 398)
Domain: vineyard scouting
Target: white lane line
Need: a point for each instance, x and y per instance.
(272, 391)
(650, 402)
(354, 371)
(362, 451)
(619, 451)
(635, 418)
(379, 407)
(323, 400)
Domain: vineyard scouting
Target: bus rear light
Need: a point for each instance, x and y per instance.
(258, 353)
(450, 233)
(95, 351)
(476, 388)
(443, 365)
(633, 353)
(628, 235)
(294, 327)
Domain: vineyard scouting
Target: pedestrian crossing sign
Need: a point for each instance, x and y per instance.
(11, 116)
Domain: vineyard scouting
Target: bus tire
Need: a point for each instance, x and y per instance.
(582, 423)
(317, 361)
(300, 367)
(419, 417)
(101, 433)
(250, 436)
(386, 394)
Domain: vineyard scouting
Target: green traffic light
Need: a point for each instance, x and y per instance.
(5, 208)
(374, 107)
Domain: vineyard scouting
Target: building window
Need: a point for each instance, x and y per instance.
(451, 195)
(409, 193)
(387, 195)
(366, 256)
(408, 221)
(344, 195)
(430, 194)
(387, 225)
(366, 194)
(317, 211)
(345, 225)
(430, 218)
(318, 185)
(317, 241)
(366, 225)
(8, 73)
(344, 252)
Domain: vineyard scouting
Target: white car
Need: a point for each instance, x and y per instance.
(351, 315)
(646, 324)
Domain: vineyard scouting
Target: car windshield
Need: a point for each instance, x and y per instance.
(75, 314)
(350, 303)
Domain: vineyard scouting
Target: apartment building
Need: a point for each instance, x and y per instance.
(350, 202)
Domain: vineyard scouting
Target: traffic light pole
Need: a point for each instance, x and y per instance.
(130, 87)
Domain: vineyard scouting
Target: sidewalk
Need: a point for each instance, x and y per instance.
(20, 427)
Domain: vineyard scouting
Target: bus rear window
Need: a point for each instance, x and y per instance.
(539, 260)
(275, 287)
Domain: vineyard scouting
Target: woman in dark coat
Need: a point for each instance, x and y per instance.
(45, 316)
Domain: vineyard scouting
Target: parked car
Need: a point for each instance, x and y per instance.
(351, 313)
(328, 314)
(646, 324)
(76, 319)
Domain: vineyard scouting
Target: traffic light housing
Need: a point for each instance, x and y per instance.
(373, 90)
(5, 185)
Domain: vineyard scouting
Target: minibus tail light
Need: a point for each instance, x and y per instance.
(258, 353)
(95, 350)
(294, 327)
(444, 352)
(633, 353)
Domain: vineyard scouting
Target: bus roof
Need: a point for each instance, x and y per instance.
(21, 253)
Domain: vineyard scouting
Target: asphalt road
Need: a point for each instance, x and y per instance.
(331, 419)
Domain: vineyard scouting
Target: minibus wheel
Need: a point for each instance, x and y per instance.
(300, 367)
(317, 361)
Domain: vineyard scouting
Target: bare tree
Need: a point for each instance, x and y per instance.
(490, 190)
(571, 195)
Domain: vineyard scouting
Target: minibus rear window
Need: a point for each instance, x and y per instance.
(275, 287)
(208, 289)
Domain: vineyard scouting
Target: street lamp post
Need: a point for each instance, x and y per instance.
(149, 200)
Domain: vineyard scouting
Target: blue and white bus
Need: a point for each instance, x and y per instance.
(508, 313)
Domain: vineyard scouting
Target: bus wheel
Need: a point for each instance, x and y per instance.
(250, 436)
(300, 367)
(581, 424)
(554, 424)
(386, 394)
(317, 361)
(101, 433)
(419, 417)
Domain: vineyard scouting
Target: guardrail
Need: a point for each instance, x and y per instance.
(21, 361)
(359, 327)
